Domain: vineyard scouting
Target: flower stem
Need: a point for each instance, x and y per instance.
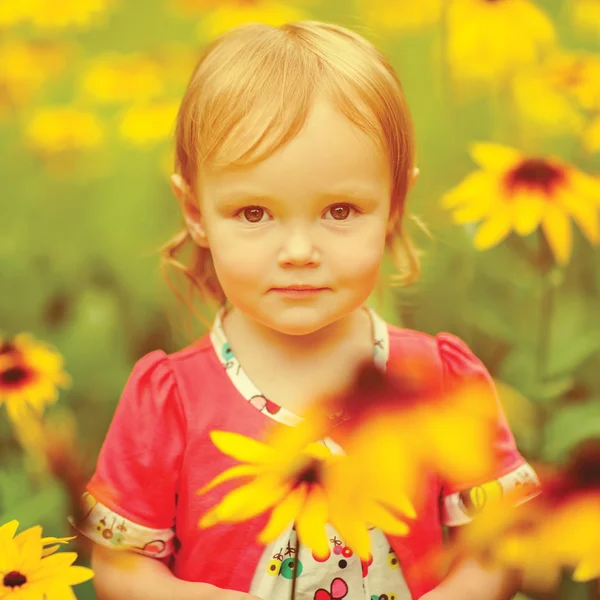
(295, 572)
(545, 262)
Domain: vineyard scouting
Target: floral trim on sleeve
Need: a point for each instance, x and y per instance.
(107, 528)
(460, 508)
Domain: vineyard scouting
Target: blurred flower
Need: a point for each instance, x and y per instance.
(143, 125)
(48, 14)
(398, 17)
(556, 530)
(591, 136)
(478, 32)
(123, 78)
(514, 192)
(585, 15)
(301, 481)
(31, 571)
(30, 373)
(402, 422)
(63, 129)
(12, 13)
(25, 67)
(232, 13)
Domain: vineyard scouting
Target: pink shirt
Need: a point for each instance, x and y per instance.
(157, 454)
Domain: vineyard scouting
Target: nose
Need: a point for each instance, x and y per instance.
(299, 249)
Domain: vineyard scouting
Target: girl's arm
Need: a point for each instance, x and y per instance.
(470, 581)
(123, 575)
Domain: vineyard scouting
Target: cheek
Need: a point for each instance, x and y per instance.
(360, 259)
(236, 262)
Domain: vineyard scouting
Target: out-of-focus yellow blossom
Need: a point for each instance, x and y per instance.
(591, 136)
(234, 13)
(24, 69)
(143, 125)
(400, 16)
(30, 373)
(30, 571)
(487, 41)
(515, 192)
(55, 130)
(585, 16)
(302, 481)
(123, 78)
(49, 14)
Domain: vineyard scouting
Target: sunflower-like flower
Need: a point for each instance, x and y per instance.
(117, 78)
(30, 373)
(30, 570)
(144, 125)
(557, 530)
(585, 16)
(394, 17)
(301, 480)
(515, 192)
(233, 13)
(477, 34)
(52, 131)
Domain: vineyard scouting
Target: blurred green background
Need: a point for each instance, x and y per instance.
(85, 208)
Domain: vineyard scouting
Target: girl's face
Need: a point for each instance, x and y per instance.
(314, 213)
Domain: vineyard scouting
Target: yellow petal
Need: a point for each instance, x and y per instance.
(493, 231)
(7, 531)
(585, 214)
(383, 519)
(495, 157)
(528, 212)
(241, 448)
(283, 514)
(587, 570)
(51, 564)
(310, 524)
(229, 474)
(353, 531)
(474, 185)
(557, 228)
(29, 545)
(76, 574)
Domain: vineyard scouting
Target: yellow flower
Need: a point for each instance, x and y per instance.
(300, 481)
(30, 373)
(31, 571)
(48, 14)
(477, 34)
(146, 124)
(399, 17)
(227, 15)
(585, 16)
(63, 129)
(514, 192)
(591, 136)
(118, 78)
(24, 69)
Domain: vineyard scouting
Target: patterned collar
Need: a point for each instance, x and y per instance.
(253, 395)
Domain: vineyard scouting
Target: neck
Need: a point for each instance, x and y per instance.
(352, 331)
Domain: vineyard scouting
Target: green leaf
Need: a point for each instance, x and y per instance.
(569, 426)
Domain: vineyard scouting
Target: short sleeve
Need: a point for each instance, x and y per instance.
(460, 501)
(131, 499)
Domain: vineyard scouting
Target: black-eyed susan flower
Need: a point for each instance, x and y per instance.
(29, 570)
(30, 374)
(392, 16)
(233, 13)
(557, 530)
(585, 16)
(591, 136)
(478, 34)
(123, 78)
(300, 481)
(513, 192)
(55, 130)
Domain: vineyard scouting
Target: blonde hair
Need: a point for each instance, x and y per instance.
(250, 94)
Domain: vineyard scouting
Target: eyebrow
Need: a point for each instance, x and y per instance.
(357, 195)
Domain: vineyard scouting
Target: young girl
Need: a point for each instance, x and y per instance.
(294, 156)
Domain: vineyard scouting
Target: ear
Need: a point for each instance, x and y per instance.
(191, 213)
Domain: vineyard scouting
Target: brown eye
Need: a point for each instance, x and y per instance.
(340, 212)
(253, 214)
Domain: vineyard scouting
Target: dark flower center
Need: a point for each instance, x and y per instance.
(14, 579)
(13, 375)
(535, 173)
(7, 347)
(310, 474)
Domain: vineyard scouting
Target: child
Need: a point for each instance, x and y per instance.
(294, 156)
